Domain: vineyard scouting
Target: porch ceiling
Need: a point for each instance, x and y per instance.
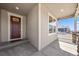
(62, 10)
(68, 9)
(24, 8)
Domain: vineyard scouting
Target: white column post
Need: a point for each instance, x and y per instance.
(56, 26)
(75, 24)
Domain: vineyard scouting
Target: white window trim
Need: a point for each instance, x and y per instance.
(49, 34)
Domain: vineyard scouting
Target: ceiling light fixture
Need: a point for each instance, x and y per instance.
(17, 8)
(62, 10)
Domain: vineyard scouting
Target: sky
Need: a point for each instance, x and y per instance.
(68, 22)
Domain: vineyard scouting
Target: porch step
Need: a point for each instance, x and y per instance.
(4, 45)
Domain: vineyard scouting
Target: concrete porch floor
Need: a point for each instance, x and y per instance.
(56, 48)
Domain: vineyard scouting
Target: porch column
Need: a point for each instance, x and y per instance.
(75, 24)
(56, 26)
(75, 27)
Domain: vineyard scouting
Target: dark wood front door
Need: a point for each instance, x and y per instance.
(15, 27)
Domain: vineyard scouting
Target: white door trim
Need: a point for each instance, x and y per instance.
(9, 14)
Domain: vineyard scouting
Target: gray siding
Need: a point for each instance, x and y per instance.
(32, 26)
(4, 26)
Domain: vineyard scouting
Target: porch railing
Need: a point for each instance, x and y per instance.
(75, 39)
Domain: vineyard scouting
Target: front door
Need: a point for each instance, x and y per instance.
(15, 27)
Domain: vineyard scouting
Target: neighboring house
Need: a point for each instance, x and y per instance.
(63, 29)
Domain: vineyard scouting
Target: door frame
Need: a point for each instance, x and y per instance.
(13, 14)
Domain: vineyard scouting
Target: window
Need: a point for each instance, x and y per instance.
(52, 24)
